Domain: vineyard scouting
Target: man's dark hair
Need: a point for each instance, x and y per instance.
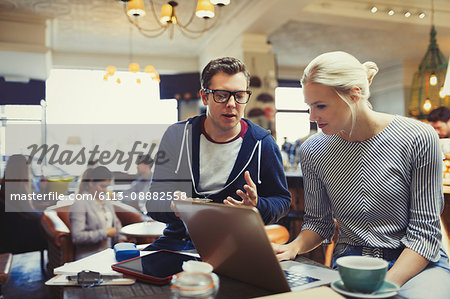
(144, 159)
(439, 114)
(227, 65)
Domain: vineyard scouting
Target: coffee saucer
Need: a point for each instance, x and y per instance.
(339, 287)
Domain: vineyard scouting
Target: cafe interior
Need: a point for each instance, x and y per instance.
(80, 73)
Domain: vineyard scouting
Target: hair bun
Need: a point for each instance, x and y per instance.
(371, 70)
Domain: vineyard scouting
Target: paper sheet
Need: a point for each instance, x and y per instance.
(99, 262)
(61, 280)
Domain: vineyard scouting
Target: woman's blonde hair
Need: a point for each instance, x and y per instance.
(341, 71)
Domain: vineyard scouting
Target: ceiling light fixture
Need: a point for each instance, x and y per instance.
(446, 87)
(133, 67)
(135, 11)
(427, 90)
(401, 11)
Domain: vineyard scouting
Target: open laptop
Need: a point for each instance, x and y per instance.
(233, 240)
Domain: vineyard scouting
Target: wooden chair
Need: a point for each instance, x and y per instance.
(56, 225)
(5, 269)
(277, 233)
(21, 233)
(328, 249)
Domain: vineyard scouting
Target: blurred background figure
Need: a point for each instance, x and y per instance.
(298, 143)
(286, 154)
(19, 220)
(439, 118)
(135, 195)
(291, 151)
(94, 224)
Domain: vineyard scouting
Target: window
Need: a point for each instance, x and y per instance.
(83, 97)
(12, 116)
(292, 117)
(84, 111)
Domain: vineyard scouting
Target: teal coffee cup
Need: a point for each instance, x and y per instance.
(362, 274)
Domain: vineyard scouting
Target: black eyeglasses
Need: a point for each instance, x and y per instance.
(222, 96)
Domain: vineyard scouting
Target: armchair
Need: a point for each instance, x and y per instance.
(56, 226)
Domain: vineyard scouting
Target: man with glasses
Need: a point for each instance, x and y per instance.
(218, 156)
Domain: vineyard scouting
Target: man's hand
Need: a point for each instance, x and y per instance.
(249, 198)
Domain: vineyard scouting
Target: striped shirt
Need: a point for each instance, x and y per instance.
(383, 192)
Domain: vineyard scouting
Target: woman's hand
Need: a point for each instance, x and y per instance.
(111, 232)
(306, 241)
(285, 252)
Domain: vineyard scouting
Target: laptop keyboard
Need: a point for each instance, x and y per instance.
(296, 279)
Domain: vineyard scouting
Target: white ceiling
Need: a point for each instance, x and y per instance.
(298, 30)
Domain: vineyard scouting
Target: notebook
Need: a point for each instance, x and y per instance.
(233, 240)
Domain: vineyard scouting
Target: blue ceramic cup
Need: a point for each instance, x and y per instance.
(362, 274)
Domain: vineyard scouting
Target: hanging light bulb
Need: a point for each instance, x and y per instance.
(110, 70)
(205, 9)
(136, 8)
(150, 69)
(442, 93)
(166, 13)
(433, 79)
(374, 9)
(220, 2)
(134, 67)
(427, 105)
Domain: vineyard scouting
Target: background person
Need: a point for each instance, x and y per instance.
(136, 194)
(219, 156)
(439, 119)
(94, 224)
(377, 174)
(19, 220)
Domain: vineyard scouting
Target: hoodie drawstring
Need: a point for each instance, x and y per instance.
(259, 162)
(181, 147)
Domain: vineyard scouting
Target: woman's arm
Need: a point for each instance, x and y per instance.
(306, 241)
(422, 239)
(408, 265)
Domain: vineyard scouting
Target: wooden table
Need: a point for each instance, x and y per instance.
(229, 288)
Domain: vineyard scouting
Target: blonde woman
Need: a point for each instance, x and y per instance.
(378, 175)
